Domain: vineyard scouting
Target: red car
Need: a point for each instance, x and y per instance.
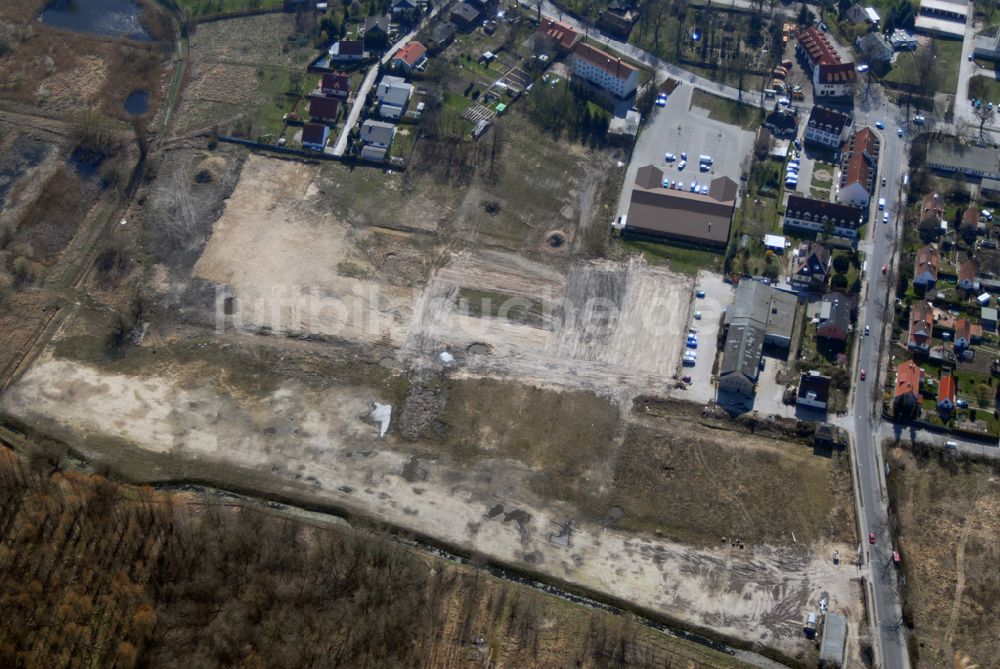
(863, 375)
(686, 378)
(885, 268)
(871, 537)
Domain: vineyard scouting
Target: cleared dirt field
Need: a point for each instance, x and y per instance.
(198, 413)
(948, 518)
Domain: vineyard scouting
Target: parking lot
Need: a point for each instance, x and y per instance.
(718, 296)
(674, 129)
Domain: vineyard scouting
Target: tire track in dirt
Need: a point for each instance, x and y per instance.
(959, 581)
(725, 493)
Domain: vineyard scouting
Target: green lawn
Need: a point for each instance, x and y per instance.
(275, 85)
(984, 88)
(949, 55)
(680, 259)
(727, 111)
(197, 8)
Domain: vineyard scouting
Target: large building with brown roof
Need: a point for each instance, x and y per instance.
(859, 164)
(555, 37)
(604, 70)
(693, 218)
(803, 214)
(831, 77)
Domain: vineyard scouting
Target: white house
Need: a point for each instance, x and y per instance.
(393, 94)
(804, 214)
(377, 133)
(604, 70)
(827, 127)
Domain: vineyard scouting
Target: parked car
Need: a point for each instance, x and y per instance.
(670, 157)
(661, 100)
(871, 537)
(697, 315)
(684, 155)
(899, 131)
(797, 143)
(881, 203)
(681, 165)
(825, 28)
(883, 182)
(686, 378)
(962, 404)
(885, 268)
(919, 119)
(762, 364)
(866, 330)
(879, 124)
(699, 293)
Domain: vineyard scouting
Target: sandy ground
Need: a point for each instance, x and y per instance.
(297, 434)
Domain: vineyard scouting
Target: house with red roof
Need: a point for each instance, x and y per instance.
(831, 77)
(859, 163)
(336, 85)
(412, 56)
(552, 37)
(967, 333)
(946, 394)
(604, 70)
(967, 275)
(925, 267)
(906, 398)
(323, 109)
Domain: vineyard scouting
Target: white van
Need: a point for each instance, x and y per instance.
(707, 160)
(881, 203)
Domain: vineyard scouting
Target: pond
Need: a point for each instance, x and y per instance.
(137, 103)
(115, 18)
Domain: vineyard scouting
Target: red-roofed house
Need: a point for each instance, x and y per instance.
(946, 394)
(925, 267)
(967, 333)
(906, 398)
(604, 70)
(831, 77)
(859, 159)
(323, 109)
(555, 37)
(410, 57)
(967, 275)
(921, 327)
(336, 85)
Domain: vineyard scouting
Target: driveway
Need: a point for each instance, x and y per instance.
(718, 296)
(676, 128)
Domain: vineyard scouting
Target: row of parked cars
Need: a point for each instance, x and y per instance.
(704, 162)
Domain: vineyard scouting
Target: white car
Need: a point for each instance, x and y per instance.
(704, 190)
(881, 203)
(784, 102)
(681, 165)
(680, 185)
(885, 217)
(670, 157)
(684, 155)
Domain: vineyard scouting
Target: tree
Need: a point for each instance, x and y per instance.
(838, 282)
(841, 263)
(983, 114)
(806, 17)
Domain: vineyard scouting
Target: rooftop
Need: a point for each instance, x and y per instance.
(982, 159)
(680, 212)
(907, 379)
(614, 66)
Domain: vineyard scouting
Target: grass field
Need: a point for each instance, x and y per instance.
(949, 55)
(727, 111)
(678, 258)
(198, 8)
(948, 519)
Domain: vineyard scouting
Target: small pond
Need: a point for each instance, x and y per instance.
(137, 103)
(115, 18)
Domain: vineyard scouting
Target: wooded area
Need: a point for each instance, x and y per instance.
(97, 574)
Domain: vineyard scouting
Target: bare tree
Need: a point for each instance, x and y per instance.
(983, 114)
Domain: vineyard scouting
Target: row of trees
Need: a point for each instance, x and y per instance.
(565, 108)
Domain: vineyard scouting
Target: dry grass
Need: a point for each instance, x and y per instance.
(948, 516)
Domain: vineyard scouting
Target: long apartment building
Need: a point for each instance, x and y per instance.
(604, 70)
(831, 77)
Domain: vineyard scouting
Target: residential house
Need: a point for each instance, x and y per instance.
(377, 133)
(741, 360)
(555, 37)
(315, 136)
(805, 214)
(617, 20)
(811, 267)
(932, 221)
(782, 122)
(946, 394)
(906, 398)
(441, 36)
(412, 56)
(875, 49)
(829, 436)
(375, 32)
(988, 317)
(975, 162)
(348, 50)
(921, 327)
(392, 95)
(967, 275)
(967, 334)
(827, 127)
(987, 47)
(942, 18)
(831, 77)
(604, 70)
(902, 40)
(814, 391)
(925, 267)
(403, 7)
(323, 109)
(834, 317)
(856, 14)
(465, 16)
(336, 85)
(859, 163)
(701, 219)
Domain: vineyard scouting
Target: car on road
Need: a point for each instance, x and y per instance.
(885, 268)
(797, 143)
(881, 203)
(883, 182)
(871, 537)
(919, 119)
(962, 404)
(899, 131)
(669, 157)
(697, 315)
(762, 364)
(686, 378)
(867, 329)
(681, 165)
(885, 217)
(970, 57)
(879, 124)
(863, 374)
(699, 293)
(661, 100)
